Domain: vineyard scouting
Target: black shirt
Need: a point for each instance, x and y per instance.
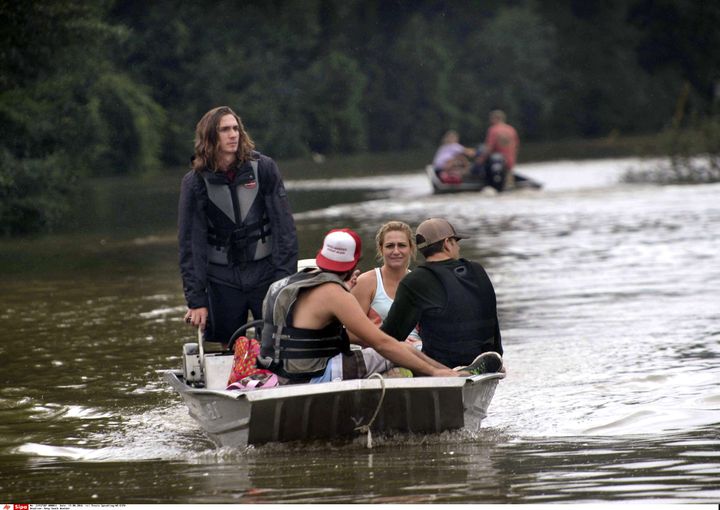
(422, 291)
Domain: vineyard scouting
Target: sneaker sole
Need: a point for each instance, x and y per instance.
(489, 362)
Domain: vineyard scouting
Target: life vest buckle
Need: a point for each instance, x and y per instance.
(239, 234)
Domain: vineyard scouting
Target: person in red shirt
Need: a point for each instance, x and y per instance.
(501, 137)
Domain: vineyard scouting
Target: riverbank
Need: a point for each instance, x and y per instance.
(395, 162)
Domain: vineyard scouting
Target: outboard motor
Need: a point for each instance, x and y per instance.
(495, 171)
(192, 369)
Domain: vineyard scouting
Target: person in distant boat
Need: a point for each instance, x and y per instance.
(451, 299)
(305, 317)
(501, 138)
(375, 289)
(236, 232)
(451, 158)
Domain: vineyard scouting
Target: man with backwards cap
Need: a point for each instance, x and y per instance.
(452, 301)
(304, 337)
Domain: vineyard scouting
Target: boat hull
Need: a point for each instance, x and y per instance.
(338, 409)
(475, 184)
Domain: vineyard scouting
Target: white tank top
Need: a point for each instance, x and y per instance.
(381, 303)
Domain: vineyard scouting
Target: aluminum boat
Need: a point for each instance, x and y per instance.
(325, 411)
(475, 183)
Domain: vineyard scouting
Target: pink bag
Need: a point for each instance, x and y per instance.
(255, 382)
(245, 361)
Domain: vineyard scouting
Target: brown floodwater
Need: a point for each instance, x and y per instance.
(608, 296)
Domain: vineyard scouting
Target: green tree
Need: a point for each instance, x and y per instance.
(63, 95)
(34, 193)
(333, 92)
(128, 126)
(415, 99)
(64, 110)
(678, 42)
(599, 84)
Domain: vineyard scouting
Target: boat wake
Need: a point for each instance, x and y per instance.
(170, 434)
(159, 434)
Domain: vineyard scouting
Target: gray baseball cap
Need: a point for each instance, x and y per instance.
(433, 230)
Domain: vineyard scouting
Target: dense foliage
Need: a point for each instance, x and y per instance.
(106, 87)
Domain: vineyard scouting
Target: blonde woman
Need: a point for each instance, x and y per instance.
(375, 289)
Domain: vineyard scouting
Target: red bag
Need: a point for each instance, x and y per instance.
(450, 177)
(245, 360)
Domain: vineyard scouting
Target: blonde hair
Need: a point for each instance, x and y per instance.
(207, 140)
(392, 226)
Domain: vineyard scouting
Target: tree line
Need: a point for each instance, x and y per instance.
(95, 88)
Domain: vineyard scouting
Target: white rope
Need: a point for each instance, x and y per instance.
(366, 427)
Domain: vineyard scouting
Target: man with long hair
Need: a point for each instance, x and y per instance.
(236, 232)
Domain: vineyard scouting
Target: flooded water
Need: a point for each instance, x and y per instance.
(608, 296)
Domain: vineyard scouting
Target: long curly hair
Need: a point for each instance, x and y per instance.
(207, 140)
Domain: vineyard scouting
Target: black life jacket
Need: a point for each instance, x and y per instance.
(238, 224)
(297, 353)
(466, 326)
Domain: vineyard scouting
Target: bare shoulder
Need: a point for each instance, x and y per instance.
(368, 276)
(326, 296)
(332, 293)
(334, 297)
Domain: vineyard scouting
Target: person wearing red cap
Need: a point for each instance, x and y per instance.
(306, 315)
(451, 299)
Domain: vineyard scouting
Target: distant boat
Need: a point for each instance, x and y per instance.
(492, 178)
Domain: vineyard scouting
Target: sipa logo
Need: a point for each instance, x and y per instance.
(21, 507)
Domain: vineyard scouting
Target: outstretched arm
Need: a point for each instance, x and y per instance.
(403, 315)
(346, 308)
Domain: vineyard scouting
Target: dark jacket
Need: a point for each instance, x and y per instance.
(193, 236)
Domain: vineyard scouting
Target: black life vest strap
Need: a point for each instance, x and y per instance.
(239, 236)
(320, 343)
(310, 353)
(310, 343)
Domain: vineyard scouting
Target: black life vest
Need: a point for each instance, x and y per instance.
(297, 353)
(466, 326)
(238, 224)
